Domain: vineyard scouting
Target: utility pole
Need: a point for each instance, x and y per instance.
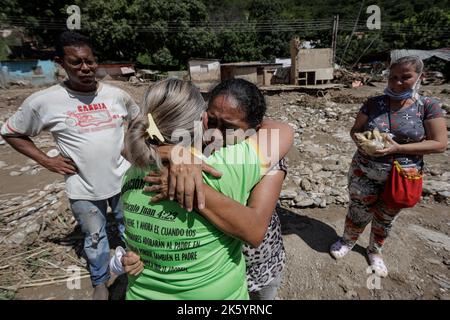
(334, 39)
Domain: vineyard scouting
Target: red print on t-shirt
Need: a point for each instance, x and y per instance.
(89, 115)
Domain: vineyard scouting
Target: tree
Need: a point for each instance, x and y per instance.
(429, 29)
(271, 42)
(238, 45)
(107, 23)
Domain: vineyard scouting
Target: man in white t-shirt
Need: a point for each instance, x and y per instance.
(86, 119)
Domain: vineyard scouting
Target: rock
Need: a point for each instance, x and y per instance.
(317, 201)
(435, 172)
(433, 186)
(351, 294)
(288, 194)
(305, 185)
(316, 167)
(323, 203)
(306, 172)
(335, 192)
(293, 126)
(53, 153)
(303, 202)
(342, 199)
(324, 174)
(297, 180)
(444, 194)
(342, 182)
(331, 167)
(3, 164)
(315, 150)
(321, 188)
(15, 173)
(329, 200)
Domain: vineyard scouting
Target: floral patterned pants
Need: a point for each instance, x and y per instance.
(366, 180)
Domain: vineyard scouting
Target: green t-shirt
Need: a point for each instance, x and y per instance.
(185, 256)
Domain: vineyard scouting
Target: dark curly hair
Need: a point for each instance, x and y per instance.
(70, 38)
(249, 98)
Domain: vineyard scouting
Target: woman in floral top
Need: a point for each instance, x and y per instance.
(417, 127)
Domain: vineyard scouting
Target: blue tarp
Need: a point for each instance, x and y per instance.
(36, 71)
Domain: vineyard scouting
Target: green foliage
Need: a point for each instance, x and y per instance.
(3, 50)
(238, 46)
(266, 13)
(167, 33)
(414, 31)
(163, 57)
(144, 59)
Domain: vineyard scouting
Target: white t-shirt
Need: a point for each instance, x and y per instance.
(87, 127)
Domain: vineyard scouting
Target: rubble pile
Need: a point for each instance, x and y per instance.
(35, 238)
(347, 77)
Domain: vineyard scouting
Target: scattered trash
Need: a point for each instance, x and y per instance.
(433, 77)
(357, 83)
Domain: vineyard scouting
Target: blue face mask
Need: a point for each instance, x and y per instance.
(399, 96)
(408, 94)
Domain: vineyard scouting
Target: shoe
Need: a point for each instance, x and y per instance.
(100, 292)
(377, 264)
(339, 249)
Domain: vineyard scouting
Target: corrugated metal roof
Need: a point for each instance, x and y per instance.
(422, 54)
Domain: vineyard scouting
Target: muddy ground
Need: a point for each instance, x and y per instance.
(417, 253)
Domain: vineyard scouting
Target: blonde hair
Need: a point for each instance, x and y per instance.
(174, 105)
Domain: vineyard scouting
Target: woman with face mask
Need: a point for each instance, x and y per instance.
(415, 126)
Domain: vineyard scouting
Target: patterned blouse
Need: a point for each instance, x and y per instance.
(266, 262)
(406, 125)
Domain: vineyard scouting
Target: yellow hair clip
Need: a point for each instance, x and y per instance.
(153, 130)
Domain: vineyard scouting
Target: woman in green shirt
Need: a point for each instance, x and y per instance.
(185, 255)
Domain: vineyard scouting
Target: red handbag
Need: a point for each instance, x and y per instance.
(403, 188)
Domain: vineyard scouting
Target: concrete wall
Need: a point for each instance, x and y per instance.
(321, 73)
(309, 59)
(247, 73)
(204, 71)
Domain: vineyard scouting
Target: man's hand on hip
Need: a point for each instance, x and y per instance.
(60, 164)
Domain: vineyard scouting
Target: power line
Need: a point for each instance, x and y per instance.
(353, 31)
(238, 26)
